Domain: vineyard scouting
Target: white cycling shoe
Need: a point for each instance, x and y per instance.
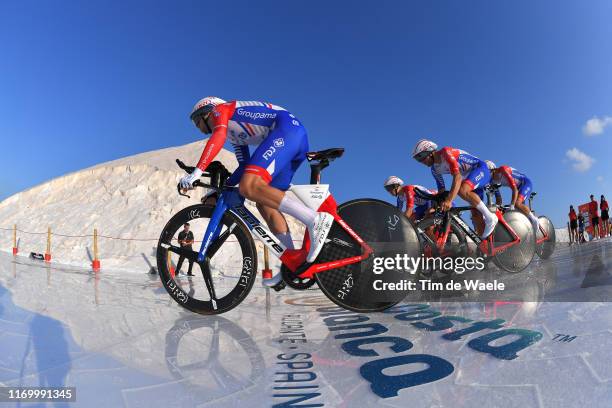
(490, 224)
(318, 232)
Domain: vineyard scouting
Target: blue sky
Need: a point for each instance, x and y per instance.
(514, 82)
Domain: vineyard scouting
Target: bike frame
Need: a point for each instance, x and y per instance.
(487, 246)
(230, 200)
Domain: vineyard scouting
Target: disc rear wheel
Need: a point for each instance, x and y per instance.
(546, 248)
(516, 257)
(389, 233)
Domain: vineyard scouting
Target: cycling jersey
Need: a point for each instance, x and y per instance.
(407, 196)
(510, 177)
(455, 161)
(281, 140)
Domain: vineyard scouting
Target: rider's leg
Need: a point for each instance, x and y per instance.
(524, 192)
(281, 152)
(477, 219)
(480, 176)
(277, 223)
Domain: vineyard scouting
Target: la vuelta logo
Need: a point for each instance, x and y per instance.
(365, 335)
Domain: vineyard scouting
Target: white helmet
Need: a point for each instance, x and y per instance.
(490, 165)
(204, 107)
(423, 146)
(392, 181)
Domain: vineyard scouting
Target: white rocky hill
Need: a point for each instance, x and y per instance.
(131, 199)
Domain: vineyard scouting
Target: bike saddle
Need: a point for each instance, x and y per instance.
(493, 186)
(329, 154)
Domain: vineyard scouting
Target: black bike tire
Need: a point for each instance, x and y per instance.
(327, 291)
(461, 236)
(249, 272)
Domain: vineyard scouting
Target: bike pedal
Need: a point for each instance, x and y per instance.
(279, 286)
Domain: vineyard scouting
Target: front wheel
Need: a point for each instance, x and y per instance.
(389, 233)
(224, 278)
(545, 248)
(516, 257)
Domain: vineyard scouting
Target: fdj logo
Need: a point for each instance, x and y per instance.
(268, 153)
(279, 142)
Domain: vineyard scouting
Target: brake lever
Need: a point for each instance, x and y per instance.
(179, 189)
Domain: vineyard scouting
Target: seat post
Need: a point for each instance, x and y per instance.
(315, 171)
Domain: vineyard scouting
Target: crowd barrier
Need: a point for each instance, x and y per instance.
(94, 239)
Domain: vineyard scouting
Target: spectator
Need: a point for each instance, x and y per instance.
(573, 225)
(185, 239)
(580, 228)
(594, 214)
(605, 224)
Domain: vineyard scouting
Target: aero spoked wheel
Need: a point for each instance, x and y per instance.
(517, 257)
(222, 280)
(546, 248)
(456, 246)
(212, 357)
(389, 233)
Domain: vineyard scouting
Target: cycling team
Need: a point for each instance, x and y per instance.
(281, 144)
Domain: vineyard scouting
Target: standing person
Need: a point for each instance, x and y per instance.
(594, 214)
(185, 239)
(605, 223)
(580, 228)
(573, 225)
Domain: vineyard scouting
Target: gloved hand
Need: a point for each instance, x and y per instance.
(188, 180)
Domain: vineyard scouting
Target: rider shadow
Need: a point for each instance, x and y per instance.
(212, 357)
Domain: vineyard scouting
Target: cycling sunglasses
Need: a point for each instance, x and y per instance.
(422, 156)
(390, 187)
(196, 120)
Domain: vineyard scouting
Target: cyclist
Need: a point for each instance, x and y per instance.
(281, 144)
(521, 188)
(416, 207)
(469, 173)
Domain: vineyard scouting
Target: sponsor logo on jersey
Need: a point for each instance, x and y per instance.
(279, 142)
(268, 153)
(256, 115)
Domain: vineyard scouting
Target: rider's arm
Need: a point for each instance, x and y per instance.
(457, 180)
(448, 156)
(220, 116)
(409, 191)
(439, 179)
(498, 197)
(507, 174)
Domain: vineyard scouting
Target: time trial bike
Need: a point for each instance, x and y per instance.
(363, 229)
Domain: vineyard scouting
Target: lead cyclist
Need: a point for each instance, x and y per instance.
(281, 144)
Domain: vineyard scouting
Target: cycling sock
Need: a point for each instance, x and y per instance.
(297, 210)
(286, 239)
(484, 210)
(533, 219)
